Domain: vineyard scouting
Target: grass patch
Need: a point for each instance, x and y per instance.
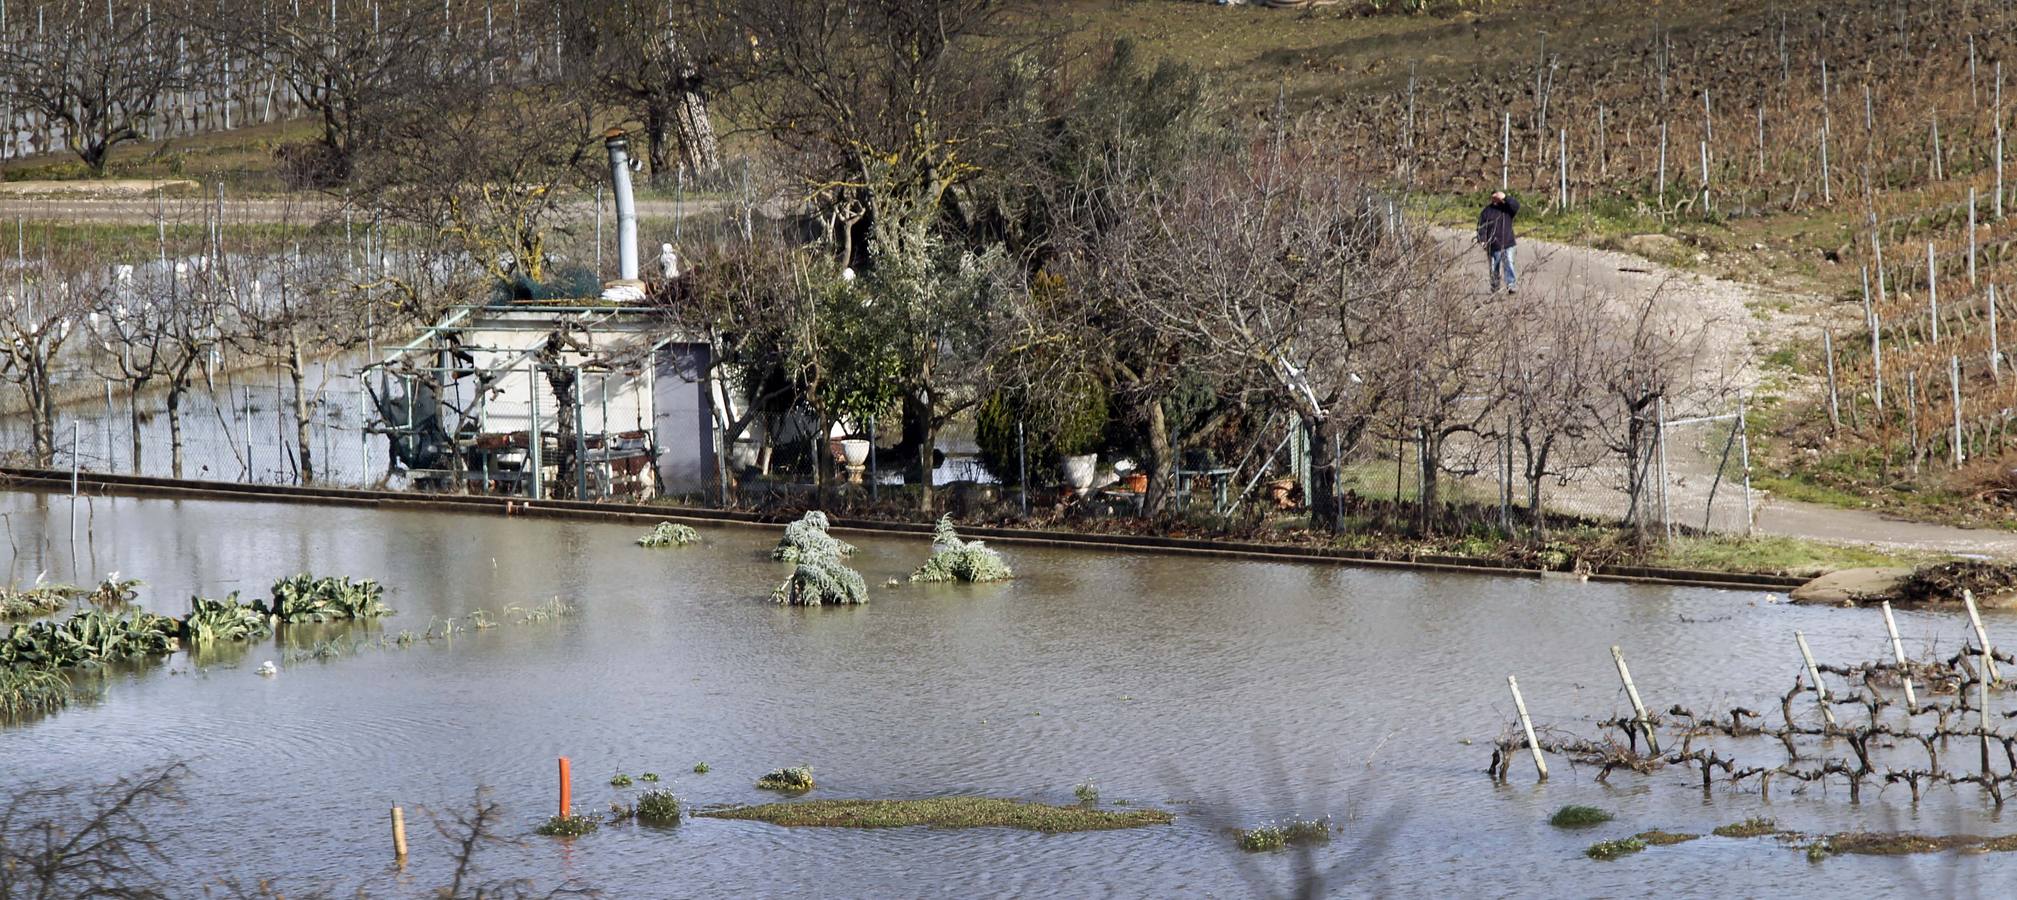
(942, 812)
(620, 780)
(1087, 793)
(1578, 817)
(1615, 849)
(1275, 836)
(700, 768)
(1751, 827)
(794, 780)
(1892, 843)
(1658, 838)
(568, 826)
(1775, 555)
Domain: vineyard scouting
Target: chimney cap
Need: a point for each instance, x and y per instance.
(615, 136)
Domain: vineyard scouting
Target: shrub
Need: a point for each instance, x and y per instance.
(670, 534)
(39, 600)
(113, 592)
(1087, 793)
(1067, 420)
(1578, 817)
(621, 780)
(953, 559)
(795, 780)
(808, 538)
(1615, 849)
(649, 778)
(568, 826)
(658, 808)
(700, 768)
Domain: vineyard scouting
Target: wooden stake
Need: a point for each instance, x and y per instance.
(1954, 383)
(1982, 635)
(1644, 722)
(1820, 688)
(1898, 653)
(566, 788)
(399, 835)
(1982, 703)
(1527, 725)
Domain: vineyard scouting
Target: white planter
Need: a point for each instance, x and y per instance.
(1079, 471)
(854, 452)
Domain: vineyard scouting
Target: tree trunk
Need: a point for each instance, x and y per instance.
(919, 412)
(175, 429)
(1432, 466)
(699, 150)
(1162, 462)
(1322, 491)
(1536, 471)
(658, 140)
(301, 438)
(133, 421)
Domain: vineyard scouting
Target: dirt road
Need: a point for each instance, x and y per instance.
(303, 209)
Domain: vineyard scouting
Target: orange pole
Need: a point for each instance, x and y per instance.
(564, 798)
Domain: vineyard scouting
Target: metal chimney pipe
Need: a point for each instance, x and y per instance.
(626, 207)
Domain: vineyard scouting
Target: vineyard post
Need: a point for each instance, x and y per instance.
(1705, 179)
(1644, 721)
(1982, 635)
(1974, 94)
(1995, 354)
(1820, 688)
(1933, 292)
(1876, 344)
(1827, 191)
(1834, 400)
(1877, 247)
(1954, 383)
(1937, 172)
(1562, 159)
(1971, 236)
(1744, 458)
(1527, 725)
(1898, 653)
(1603, 146)
(1506, 153)
(1761, 137)
(1663, 166)
(1912, 416)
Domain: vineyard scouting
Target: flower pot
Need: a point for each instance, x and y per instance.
(1279, 491)
(1137, 482)
(854, 452)
(1079, 471)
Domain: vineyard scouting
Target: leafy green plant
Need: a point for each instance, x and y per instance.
(1087, 793)
(670, 534)
(953, 559)
(306, 598)
(114, 592)
(229, 619)
(569, 826)
(821, 581)
(649, 778)
(1615, 849)
(1275, 836)
(793, 780)
(658, 808)
(620, 780)
(41, 599)
(700, 768)
(808, 538)
(1573, 816)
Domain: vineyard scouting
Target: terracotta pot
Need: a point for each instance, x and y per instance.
(1138, 483)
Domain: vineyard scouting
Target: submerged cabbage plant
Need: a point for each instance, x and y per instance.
(953, 559)
(822, 581)
(229, 619)
(808, 538)
(306, 598)
(670, 534)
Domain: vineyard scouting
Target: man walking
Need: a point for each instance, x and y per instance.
(1495, 231)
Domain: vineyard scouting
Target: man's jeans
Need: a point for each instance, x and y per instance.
(1502, 268)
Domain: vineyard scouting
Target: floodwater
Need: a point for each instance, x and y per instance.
(1227, 692)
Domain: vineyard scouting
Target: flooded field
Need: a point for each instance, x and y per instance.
(1226, 692)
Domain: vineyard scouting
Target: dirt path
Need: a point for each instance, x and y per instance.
(126, 209)
(1744, 324)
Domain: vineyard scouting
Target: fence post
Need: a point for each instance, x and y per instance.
(1814, 672)
(1834, 401)
(1954, 384)
(1898, 653)
(1527, 725)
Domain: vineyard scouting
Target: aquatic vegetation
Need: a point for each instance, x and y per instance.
(700, 768)
(306, 598)
(658, 808)
(1658, 838)
(1275, 836)
(620, 780)
(953, 559)
(942, 812)
(228, 619)
(41, 599)
(568, 826)
(88, 637)
(1751, 827)
(821, 581)
(113, 592)
(30, 692)
(1573, 816)
(670, 534)
(1087, 792)
(649, 778)
(1615, 849)
(808, 538)
(794, 780)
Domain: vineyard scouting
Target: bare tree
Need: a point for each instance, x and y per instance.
(1552, 380)
(662, 60)
(45, 306)
(101, 74)
(101, 847)
(293, 311)
(1651, 356)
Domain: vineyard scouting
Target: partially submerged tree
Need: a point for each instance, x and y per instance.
(45, 305)
(100, 75)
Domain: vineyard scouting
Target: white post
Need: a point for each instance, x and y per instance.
(1933, 291)
(1971, 236)
(1898, 653)
(1954, 383)
(1644, 722)
(1562, 158)
(1981, 634)
(73, 461)
(363, 435)
(1820, 688)
(1660, 432)
(1876, 344)
(1705, 178)
(1834, 402)
(1995, 354)
(1506, 153)
(1827, 189)
(1527, 725)
(537, 443)
(1744, 457)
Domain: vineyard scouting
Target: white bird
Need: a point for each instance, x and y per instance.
(268, 669)
(668, 261)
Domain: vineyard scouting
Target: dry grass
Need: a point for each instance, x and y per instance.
(943, 812)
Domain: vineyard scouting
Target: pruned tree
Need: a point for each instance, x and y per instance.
(662, 60)
(1651, 356)
(54, 843)
(45, 305)
(101, 75)
(1552, 381)
(292, 311)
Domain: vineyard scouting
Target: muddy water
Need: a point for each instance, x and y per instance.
(1228, 692)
